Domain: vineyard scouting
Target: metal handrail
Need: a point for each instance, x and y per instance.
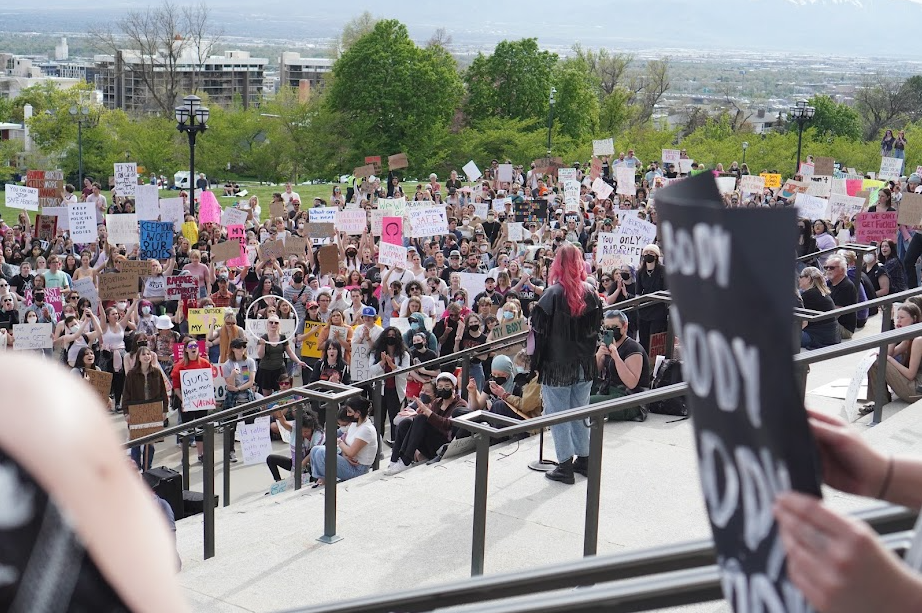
(846, 247)
(860, 306)
(891, 522)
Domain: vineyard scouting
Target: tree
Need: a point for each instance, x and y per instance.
(513, 82)
(355, 28)
(396, 96)
(882, 102)
(649, 88)
(440, 38)
(608, 68)
(912, 89)
(159, 38)
(834, 119)
(577, 102)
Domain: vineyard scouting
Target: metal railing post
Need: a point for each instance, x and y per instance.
(594, 486)
(465, 375)
(329, 477)
(186, 484)
(228, 446)
(299, 445)
(542, 465)
(800, 370)
(880, 373)
(481, 474)
(208, 490)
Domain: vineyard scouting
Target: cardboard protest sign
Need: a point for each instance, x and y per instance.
(181, 287)
(364, 171)
(824, 166)
(87, 289)
(147, 202)
(139, 268)
(320, 230)
(633, 235)
(310, 346)
(771, 180)
(277, 209)
(322, 215)
(595, 168)
(197, 389)
(295, 245)
(49, 183)
(118, 285)
(19, 197)
(470, 169)
(156, 240)
(123, 229)
(209, 211)
(605, 146)
(144, 419)
(875, 227)
(910, 212)
(233, 216)
(202, 321)
(328, 256)
(272, 250)
(430, 221)
(255, 441)
(733, 267)
(228, 250)
(811, 207)
(46, 227)
(843, 205)
(397, 161)
(101, 382)
(351, 221)
(391, 254)
(82, 222)
(32, 336)
(374, 160)
(752, 184)
(126, 178)
(548, 165)
(890, 168)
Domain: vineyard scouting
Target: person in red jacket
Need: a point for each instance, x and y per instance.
(191, 360)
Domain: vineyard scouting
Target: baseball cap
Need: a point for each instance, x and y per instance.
(369, 312)
(312, 304)
(238, 343)
(448, 377)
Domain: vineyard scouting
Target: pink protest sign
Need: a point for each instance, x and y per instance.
(853, 186)
(177, 350)
(875, 227)
(392, 230)
(209, 210)
(238, 233)
(53, 297)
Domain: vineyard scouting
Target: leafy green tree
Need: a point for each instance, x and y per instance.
(834, 119)
(577, 101)
(514, 82)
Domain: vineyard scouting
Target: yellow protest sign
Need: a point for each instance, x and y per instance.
(190, 231)
(202, 320)
(310, 348)
(771, 180)
(871, 184)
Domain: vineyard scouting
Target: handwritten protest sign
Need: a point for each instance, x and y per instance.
(605, 146)
(607, 255)
(295, 245)
(310, 346)
(470, 169)
(19, 197)
(751, 432)
(322, 214)
(752, 184)
(46, 227)
(32, 336)
(820, 186)
(238, 234)
(807, 170)
(351, 221)
(392, 255)
(156, 239)
(624, 175)
(144, 419)
(633, 235)
(516, 231)
(364, 171)
(233, 216)
(272, 250)
(603, 190)
(87, 289)
(126, 178)
(566, 174)
(181, 287)
(890, 168)
(430, 221)
(49, 183)
(875, 227)
(595, 169)
(122, 229)
(118, 285)
(173, 210)
(392, 230)
(844, 205)
(910, 212)
(811, 207)
(726, 185)
(147, 202)
(197, 389)
(771, 180)
(202, 321)
(82, 222)
(209, 211)
(228, 250)
(671, 156)
(397, 161)
(685, 166)
(139, 268)
(60, 213)
(360, 364)
(101, 382)
(255, 441)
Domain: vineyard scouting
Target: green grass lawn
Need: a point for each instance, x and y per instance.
(264, 192)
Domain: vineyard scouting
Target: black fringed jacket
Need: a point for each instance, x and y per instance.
(565, 345)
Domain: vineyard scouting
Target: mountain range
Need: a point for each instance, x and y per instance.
(846, 28)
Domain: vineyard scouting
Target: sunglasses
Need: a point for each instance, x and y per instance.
(273, 323)
(830, 267)
(284, 383)
(192, 347)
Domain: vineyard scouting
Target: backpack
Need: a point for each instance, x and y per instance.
(670, 373)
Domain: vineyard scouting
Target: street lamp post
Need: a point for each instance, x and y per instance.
(191, 118)
(802, 114)
(550, 120)
(82, 116)
(745, 146)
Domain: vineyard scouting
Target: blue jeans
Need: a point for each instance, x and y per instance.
(149, 456)
(570, 438)
(344, 470)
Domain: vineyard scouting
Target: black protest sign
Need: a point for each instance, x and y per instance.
(729, 272)
(530, 210)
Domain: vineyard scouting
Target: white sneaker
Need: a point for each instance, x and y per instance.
(232, 457)
(396, 467)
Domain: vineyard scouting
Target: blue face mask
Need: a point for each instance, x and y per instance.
(507, 315)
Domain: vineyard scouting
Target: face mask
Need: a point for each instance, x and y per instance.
(474, 327)
(508, 315)
(74, 329)
(39, 298)
(528, 271)
(300, 226)
(142, 343)
(426, 398)
(31, 320)
(145, 310)
(298, 278)
(238, 300)
(443, 393)
(464, 222)
(649, 258)
(121, 306)
(483, 248)
(340, 284)
(419, 346)
(500, 380)
(617, 334)
(460, 301)
(626, 276)
(868, 258)
(414, 324)
(390, 341)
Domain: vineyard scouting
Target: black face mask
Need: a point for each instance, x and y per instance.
(426, 398)
(390, 341)
(443, 393)
(298, 278)
(626, 276)
(340, 284)
(500, 380)
(649, 258)
(474, 327)
(420, 347)
(617, 334)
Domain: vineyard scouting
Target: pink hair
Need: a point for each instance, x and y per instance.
(569, 270)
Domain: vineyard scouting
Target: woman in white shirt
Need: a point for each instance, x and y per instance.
(358, 447)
